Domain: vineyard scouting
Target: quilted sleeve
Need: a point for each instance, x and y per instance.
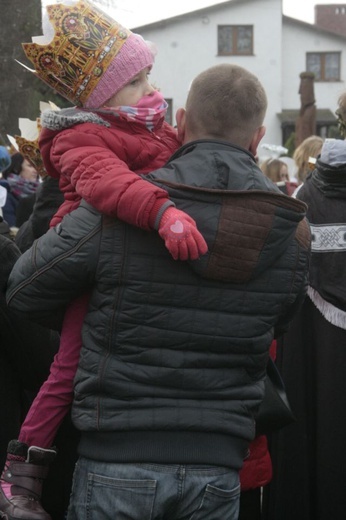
(99, 174)
(60, 266)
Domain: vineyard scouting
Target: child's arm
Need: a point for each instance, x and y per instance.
(103, 178)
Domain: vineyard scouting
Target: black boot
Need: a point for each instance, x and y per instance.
(25, 470)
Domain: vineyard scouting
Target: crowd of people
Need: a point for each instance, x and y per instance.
(148, 274)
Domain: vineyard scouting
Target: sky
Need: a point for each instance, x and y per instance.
(134, 13)
(304, 9)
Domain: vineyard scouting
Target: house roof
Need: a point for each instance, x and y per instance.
(323, 116)
(205, 10)
(312, 27)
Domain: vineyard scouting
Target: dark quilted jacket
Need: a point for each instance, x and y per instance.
(174, 353)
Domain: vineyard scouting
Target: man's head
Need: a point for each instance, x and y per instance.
(225, 102)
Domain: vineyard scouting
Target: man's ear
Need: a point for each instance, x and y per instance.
(181, 123)
(256, 139)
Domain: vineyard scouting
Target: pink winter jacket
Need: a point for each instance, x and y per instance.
(97, 157)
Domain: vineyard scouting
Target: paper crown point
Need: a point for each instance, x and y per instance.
(27, 142)
(85, 41)
(29, 147)
(30, 151)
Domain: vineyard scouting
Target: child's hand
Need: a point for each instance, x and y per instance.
(181, 236)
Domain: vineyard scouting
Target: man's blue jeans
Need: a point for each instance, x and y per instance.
(153, 491)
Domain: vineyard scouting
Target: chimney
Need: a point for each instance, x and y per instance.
(331, 17)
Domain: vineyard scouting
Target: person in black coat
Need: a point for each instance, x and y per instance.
(47, 201)
(309, 455)
(113, 255)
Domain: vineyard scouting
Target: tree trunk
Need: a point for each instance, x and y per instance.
(19, 21)
(20, 91)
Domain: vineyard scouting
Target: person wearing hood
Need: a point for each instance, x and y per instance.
(308, 455)
(174, 354)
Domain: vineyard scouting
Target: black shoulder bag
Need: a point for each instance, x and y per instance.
(275, 410)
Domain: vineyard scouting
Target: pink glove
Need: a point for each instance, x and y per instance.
(181, 236)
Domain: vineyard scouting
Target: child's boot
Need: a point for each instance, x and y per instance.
(21, 482)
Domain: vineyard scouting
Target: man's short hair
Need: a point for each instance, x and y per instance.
(226, 102)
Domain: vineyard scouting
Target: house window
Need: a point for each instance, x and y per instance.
(235, 40)
(325, 65)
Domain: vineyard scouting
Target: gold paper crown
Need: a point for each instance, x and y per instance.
(31, 151)
(85, 42)
(27, 142)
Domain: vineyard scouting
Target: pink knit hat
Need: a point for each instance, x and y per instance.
(134, 56)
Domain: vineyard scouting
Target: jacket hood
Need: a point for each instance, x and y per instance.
(53, 122)
(247, 222)
(330, 180)
(57, 120)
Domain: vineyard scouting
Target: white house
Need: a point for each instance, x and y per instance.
(255, 35)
